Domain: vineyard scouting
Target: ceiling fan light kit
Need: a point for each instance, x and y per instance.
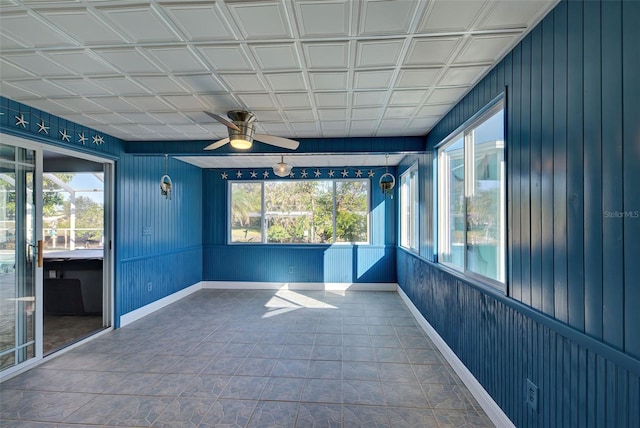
(242, 133)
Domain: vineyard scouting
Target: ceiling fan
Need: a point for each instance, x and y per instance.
(241, 132)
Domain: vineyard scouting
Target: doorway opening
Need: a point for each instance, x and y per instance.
(73, 235)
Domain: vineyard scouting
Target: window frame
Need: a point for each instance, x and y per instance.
(441, 186)
(264, 226)
(410, 205)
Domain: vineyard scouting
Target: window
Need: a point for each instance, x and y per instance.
(471, 197)
(300, 211)
(409, 208)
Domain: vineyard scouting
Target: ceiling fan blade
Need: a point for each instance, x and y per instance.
(223, 120)
(217, 144)
(272, 140)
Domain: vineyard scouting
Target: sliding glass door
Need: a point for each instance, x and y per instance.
(56, 216)
(18, 255)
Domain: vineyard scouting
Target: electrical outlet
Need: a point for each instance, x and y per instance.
(149, 286)
(146, 231)
(290, 268)
(532, 395)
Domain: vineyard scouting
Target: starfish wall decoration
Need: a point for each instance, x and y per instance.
(20, 121)
(344, 173)
(43, 128)
(65, 137)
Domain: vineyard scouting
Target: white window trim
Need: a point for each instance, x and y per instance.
(499, 103)
(410, 202)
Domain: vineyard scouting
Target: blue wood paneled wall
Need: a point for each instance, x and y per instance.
(159, 240)
(54, 129)
(570, 319)
(309, 263)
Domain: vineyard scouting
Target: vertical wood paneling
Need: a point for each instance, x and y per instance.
(631, 177)
(611, 382)
(547, 153)
(601, 391)
(591, 392)
(514, 155)
(634, 397)
(536, 169)
(575, 167)
(524, 172)
(560, 162)
(612, 163)
(582, 387)
(169, 256)
(578, 386)
(592, 171)
(554, 396)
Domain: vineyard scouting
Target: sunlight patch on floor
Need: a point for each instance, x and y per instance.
(287, 300)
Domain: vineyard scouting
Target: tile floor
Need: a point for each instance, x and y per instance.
(222, 358)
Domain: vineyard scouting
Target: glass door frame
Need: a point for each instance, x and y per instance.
(108, 253)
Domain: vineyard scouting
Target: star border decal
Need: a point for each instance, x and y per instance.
(371, 174)
(239, 174)
(224, 175)
(331, 173)
(358, 173)
(254, 174)
(345, 173)
(82, 138)
(317, 173)
(303, 174)
(265, 174)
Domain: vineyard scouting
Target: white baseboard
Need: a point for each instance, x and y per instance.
(490, 407)
(135, 315)
(326, 286)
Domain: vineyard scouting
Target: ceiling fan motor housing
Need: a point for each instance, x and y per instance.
(243, 120)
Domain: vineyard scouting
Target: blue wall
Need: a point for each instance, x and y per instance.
(309, 263)
(159, 241)
(569, 320)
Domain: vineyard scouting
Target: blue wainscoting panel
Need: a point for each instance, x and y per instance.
(581, 382)
(143, 280)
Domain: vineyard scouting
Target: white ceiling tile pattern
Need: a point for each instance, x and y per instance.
(146, 70)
